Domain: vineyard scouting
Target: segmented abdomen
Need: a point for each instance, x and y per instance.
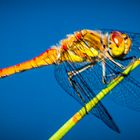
(46, 58)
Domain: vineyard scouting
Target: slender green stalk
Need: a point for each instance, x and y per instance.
(92, 103)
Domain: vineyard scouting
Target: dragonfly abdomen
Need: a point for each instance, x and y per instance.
(47, 58)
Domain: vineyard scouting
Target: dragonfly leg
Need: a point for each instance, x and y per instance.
(80, 70)
(118, 64)
(104, 72)
(132, 58)
(113, 61)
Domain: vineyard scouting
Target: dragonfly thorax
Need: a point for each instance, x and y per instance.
(82, 45)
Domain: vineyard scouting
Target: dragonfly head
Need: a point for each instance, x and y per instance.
(119, 44)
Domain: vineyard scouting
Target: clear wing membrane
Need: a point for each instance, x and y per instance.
(127, 93)
(82, 86)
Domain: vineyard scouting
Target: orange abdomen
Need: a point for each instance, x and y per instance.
(47, 58)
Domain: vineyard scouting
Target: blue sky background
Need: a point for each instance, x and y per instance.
(32, 105)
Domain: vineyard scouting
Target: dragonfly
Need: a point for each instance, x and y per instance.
(86, 62)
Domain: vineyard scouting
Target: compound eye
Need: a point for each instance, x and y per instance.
(126, 38)
(117, 38)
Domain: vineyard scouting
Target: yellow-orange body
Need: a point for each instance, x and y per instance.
(85, 45)
(46, 58)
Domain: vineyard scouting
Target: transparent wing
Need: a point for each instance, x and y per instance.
(81, 86)
(126, 93)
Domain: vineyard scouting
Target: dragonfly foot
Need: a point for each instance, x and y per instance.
(103, 80)
(86, 109)
(122, 67)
